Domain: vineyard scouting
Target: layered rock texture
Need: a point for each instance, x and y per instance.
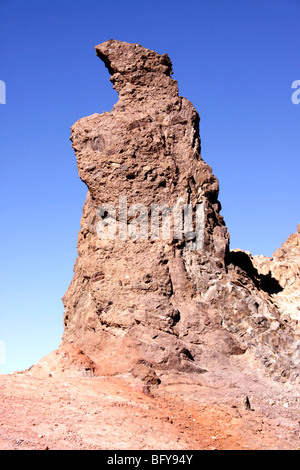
(140, 302)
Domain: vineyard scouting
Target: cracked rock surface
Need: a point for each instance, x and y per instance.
(142, 303)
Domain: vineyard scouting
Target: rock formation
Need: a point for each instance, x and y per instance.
(284, 266)
(142, 302)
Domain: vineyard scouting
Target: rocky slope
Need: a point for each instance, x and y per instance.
(182, 413)
(145, 303)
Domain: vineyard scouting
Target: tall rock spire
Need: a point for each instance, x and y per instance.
(154, 282)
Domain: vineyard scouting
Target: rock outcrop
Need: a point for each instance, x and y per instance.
(143, 299)
(284, 267)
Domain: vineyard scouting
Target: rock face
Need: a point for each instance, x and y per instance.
(284, 266)
(141, 301)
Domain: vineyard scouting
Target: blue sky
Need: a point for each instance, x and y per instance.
(235, 60)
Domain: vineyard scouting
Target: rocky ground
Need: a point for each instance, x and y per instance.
(183, 412)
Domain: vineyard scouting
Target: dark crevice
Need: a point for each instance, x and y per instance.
(265, 282)
(187, 354)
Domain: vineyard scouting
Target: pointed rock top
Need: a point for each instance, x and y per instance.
(135, 65)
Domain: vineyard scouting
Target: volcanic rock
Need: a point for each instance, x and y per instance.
(284, 267)
(143, 302)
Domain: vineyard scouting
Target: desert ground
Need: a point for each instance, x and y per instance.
(122, 413)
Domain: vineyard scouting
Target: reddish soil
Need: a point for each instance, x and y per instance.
(121, 413)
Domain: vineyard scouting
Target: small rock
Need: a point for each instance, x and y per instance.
(246, 403)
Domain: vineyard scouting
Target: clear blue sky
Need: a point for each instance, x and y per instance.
(234, 59)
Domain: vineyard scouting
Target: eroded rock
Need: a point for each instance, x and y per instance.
(186, 303)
